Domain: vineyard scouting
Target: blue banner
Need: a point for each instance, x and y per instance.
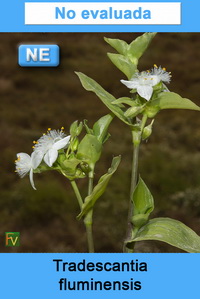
(99, 16)
(99, 275)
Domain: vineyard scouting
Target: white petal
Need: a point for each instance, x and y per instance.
(31, 178)
(131, 84)
(24, 157)
(50, 157)
(145, 91)
(61, 143)
(36, 159)
(155, 80)
(23, 164)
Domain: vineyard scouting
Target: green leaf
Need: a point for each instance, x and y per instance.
(89, 149)
(170, 231)
(91, 85)
(171, 100)
(100, 127)
(124, 64)
(142, 199)
(119, 45)
(100, 188)
(139, 46)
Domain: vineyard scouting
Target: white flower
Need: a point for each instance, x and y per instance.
(26, 164)
(49, 145)
(143, 82)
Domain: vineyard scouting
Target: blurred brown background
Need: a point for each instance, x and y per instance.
(33, 99)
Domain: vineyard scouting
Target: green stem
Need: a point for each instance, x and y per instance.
(77, 193)
(136, 140)
(143, 123)
(88, 218)
(88, 226)
(134, 172)
(90, 185)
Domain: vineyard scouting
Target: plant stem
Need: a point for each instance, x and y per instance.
(90, 185)
(77, 193)
(88, 226)
(88, 219)
(134, 177)
(134, 173)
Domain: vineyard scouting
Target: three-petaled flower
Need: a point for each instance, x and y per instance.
(50, 143)
(27, 164)
(143, 82)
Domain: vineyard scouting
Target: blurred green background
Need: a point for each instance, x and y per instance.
(34, 99)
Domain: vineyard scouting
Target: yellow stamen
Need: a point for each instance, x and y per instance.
(44, 134)
(155, 66)
(33, 146)
(62, 128)
(164, 69)
(49, 129)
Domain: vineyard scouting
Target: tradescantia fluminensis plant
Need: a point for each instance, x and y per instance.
(75, 157)
(138, 109)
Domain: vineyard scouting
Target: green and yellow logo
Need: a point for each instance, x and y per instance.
(12, 239)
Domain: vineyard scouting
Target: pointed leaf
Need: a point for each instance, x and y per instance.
(124, 64)
(142, 199)
(100, 188)
(171, 100)
(91, 85)
(170, 231)
(139, 46)
(119, 45)
(100, 127)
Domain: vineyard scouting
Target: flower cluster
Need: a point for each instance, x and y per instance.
(143, 82)
(45, 149)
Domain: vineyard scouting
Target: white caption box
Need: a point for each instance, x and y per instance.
(104, 13)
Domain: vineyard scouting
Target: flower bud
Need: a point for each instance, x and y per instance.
(79, 129)
(74, 144)
(147, 131)
(76, 129)
(134, 111)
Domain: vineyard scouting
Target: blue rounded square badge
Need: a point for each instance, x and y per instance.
(38, 55)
